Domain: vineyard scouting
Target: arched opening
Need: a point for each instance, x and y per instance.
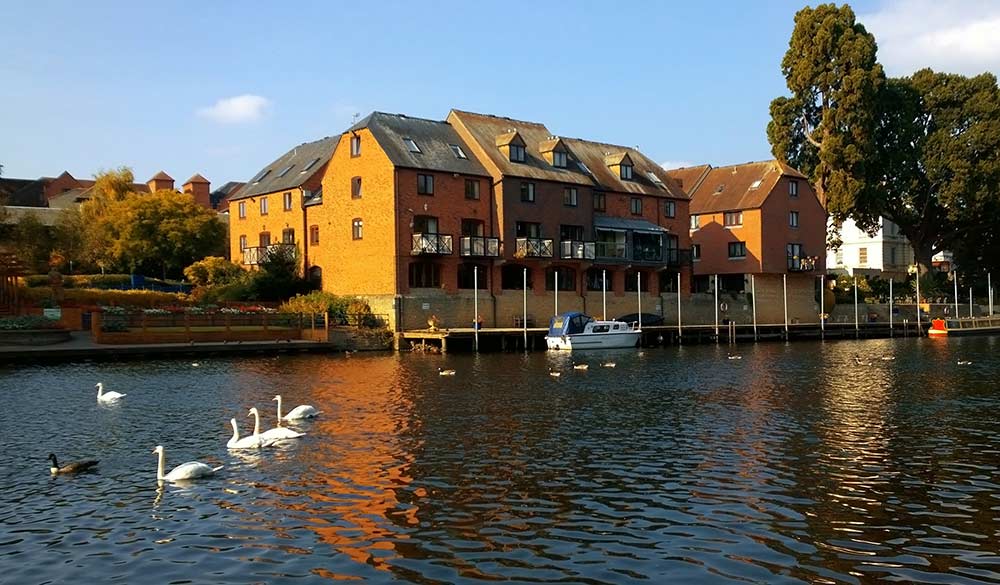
(512, 276)
(567, 278)
(315, 277)
(467, 275)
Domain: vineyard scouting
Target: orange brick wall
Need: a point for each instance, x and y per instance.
(276, 220)
(365, 266)
(714, 238)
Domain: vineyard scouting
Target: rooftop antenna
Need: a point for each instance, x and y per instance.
(354, 118)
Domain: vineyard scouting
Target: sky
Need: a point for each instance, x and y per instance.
(222, 88)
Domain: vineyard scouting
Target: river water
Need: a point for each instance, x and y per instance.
(837, 462)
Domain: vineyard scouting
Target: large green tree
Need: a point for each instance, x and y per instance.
(160, 232)
(826, 128)
(938, 155)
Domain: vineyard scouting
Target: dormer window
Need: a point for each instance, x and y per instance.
(411, 145)
(619, 163)
(516, 153)
(559, 159)
(512, 145)
(626, 172)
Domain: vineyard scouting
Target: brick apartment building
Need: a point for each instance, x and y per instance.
(761, 219)
(410, 213)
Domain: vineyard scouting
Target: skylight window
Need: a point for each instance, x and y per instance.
(652, 177)
(285, 171)
(411, 145)
(310, 165)
(755, 184)
(457, 150)
(583, 167)
(260, 176)
(720, 188)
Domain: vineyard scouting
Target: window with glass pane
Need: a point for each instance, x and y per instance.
(793, 188)
(355, 146)
(695, 222)
(265, 239)
(263, 205)
(695, 251)
(636, 205)
(636, 280)
(569, 197)
(525, 229)
(793, 219)
(313, 235)
(472, 189)
(356, 188)
(425, 184)
(356, 229)
(600, 202)
(425, 275)
(733, 218)
(473, 227)
(559, 159)
(528, 192)
(737, 249)
(243, 209)
(626, 172)
(596, 276)
(425, 224)
(288, 236)
(570, 232)
(567, 278)
(288, 201)
(467, 275)
(243, 242)
(516, 153)
(670, 209)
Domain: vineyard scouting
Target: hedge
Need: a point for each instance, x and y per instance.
(26, 322)
(96, 296)
(98, 281)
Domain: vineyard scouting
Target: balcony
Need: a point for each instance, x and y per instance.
(611, 250)
(533, 248)
(677, 257)
(435, 244)
(803, 263)
(479, 246)
(577, 250)
(253, 255)
(647, 253)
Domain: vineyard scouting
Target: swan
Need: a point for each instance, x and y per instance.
(554, 373)
(608, 364)
(189, 470)
(299, 412)
(252, 442)
(103, 396)
(282, 433)
(72, 467)
(733, 356)
(580, 366)
(446, 372)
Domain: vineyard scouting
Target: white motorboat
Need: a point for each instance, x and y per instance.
(578, 331)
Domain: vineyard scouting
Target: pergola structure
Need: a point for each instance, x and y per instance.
(10, 269)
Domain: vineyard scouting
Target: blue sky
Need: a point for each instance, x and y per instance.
(96, 85)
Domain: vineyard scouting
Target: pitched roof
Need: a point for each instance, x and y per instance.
(595, 156)
(23, 192)
(225, 192)
(744, 186)
(301, 162)
(689, 177)
(433, 138)
(197, 178)
(161, 176)
(489, 131)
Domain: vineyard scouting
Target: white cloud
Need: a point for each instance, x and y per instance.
(237, 110)
(953, 36)
(675, 164)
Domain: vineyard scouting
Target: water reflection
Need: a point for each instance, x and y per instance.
(797, 463)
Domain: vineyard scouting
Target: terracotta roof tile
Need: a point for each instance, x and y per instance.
(733, 187)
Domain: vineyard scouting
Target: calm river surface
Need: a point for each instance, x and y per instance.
(794, 464)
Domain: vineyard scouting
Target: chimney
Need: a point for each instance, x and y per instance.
(160, 181)
(198, 186)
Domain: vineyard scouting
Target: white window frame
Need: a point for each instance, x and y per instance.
(793, 219)
(287, 200)
(559, 159)
(263, 205)
(242, 209)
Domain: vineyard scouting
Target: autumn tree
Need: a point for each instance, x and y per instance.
(160, 232)
(826, 128)
(110, 187)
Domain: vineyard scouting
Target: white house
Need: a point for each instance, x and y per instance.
(886, 254)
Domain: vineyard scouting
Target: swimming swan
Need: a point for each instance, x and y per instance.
(253, 441)
(299, 412)
(189, 470)
(278, 433)
(103, 396)
(71, 467)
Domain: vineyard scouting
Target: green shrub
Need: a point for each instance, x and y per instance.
(213, 271)
(93, 296)
(27, 322)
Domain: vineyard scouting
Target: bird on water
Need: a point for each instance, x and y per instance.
(71, 467)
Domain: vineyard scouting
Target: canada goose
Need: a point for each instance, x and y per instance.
(189, 470)
(103, 396)
(71, 467)
(299, 412)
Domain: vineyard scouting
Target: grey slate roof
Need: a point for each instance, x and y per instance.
(23, 192)
(622, 223)
(224, 192)
(299, 158)
(432, 137)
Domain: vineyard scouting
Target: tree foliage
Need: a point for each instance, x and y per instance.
(159, 232)
(939, 159)
(826, 128)
(212, 271)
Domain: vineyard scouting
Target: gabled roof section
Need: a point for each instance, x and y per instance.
(225, 192)
(617, 158)
(690, 177)
(161, 176)
(595, 156)
(553, 144)
(734, 187)
(510, 137)
(485, 130)
(270, 179)
(197, 178)
(433, 138)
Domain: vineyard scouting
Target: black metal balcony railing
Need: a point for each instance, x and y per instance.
(253, 255)
(647, 253)
(431, 244)
(802, 263)
(577, 250)
(677, 257)
(533, 248)
(611, 250)
(479, 246)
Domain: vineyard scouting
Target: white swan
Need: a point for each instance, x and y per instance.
(103, 396)
(299, 412)
(279, 432)
(189, 470)
(253, 441)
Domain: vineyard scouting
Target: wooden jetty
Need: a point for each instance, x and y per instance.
(532, 338)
